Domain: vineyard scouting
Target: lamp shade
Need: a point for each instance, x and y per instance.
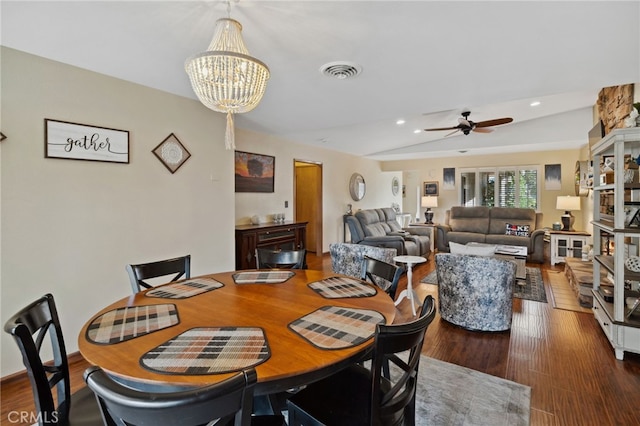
(568, 203)
(429, 202)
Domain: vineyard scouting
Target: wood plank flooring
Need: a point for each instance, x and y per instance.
(562, 354)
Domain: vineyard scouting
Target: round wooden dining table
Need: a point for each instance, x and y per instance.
(115, 338)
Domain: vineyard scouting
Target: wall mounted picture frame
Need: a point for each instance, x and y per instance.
(75, 141)
(430, 189)
(448, 178)
(254, 172)
(171, 153)
(552, 177)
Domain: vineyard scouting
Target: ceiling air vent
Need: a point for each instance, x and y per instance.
(341, 70)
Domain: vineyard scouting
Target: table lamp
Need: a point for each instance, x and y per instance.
(567, 203)
(429, 202)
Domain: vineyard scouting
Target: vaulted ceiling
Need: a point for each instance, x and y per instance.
(422, 61)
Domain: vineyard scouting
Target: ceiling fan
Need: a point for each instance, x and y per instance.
(465, 125)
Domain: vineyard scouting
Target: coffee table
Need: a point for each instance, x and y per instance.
(516, 254)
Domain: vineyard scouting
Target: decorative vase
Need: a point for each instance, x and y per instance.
(633, 263)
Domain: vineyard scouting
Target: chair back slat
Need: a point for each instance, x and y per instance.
(40, 318)
(366, 395)
(397, 401)
(372, 268)
(231, 399)
(177, 268)
(281, 259)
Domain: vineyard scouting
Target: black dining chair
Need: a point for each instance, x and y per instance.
(374, 268)
(178, 267)
(30, 328)
(281, 259)
(230, 401)
(359, 395)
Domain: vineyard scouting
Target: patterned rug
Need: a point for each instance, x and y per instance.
(449, 394)
(533, 288)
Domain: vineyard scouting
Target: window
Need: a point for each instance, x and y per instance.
(515, 186)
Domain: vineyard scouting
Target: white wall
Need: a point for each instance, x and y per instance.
(337, 169)
(69, 227)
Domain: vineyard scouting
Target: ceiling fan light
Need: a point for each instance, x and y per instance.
(226, 78)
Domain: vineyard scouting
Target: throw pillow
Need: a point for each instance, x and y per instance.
(474, 250)
(519, 230)
(455, 248)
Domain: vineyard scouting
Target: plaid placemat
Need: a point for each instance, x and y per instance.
(334, 327)
(210, 350)
(184, 289)
(134, 321)
(262, 277)
(342, 287)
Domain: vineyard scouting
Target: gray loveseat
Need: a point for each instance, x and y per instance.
(489, 225)
(380, 228)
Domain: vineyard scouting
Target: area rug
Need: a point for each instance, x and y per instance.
(449, 394)
(533, 288)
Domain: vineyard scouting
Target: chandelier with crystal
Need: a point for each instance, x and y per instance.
(225, 77)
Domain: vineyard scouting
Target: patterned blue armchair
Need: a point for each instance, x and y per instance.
(476, 292)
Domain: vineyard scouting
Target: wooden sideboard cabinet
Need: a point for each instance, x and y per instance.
(275, 236)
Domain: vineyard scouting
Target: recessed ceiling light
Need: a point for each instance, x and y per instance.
(400, 122)
(534, 103)
(416, 131)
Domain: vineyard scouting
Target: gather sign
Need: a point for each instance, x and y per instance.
(83, 142)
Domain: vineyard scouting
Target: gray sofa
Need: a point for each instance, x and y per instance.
(489, 225)
(380, 228)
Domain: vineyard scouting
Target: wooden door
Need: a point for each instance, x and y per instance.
(308, 201)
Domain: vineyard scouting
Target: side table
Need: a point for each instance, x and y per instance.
(432, 238)
(567, 244)
(409, 292)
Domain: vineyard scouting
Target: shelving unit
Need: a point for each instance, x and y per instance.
(621, 328)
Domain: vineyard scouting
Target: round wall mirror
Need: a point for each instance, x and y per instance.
(580, 178)
(395, 186)
(357, 187)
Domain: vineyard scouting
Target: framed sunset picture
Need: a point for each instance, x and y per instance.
(254, 172)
